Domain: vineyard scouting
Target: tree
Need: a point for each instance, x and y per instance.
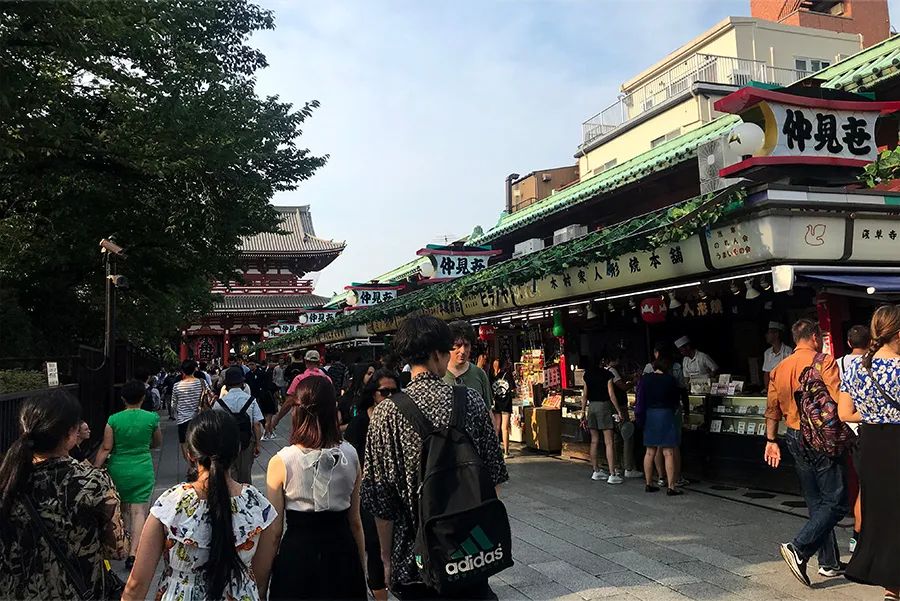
(134, 119)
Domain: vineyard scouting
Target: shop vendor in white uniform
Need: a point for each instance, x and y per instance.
(777, 352)
(695, 363)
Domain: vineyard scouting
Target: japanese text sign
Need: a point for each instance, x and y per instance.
(451, 262)
(368, 295)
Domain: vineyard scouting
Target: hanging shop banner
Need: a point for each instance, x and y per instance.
(781, 128)
(313, 318)
(282, 329)
(876, 240)
(367, 295)
(340, 335)
(451, 262)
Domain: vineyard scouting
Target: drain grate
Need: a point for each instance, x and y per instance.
(759, 495)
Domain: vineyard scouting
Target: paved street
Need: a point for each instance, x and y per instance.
(579, 539)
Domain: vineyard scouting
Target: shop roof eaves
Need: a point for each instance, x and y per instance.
(676, 150)
(863, 70)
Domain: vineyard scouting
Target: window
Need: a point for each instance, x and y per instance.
(662, 139)
(806, 66)
(605, 166)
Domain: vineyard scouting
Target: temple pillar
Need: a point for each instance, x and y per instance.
(262, 353)
(183, 350)
(226, 349)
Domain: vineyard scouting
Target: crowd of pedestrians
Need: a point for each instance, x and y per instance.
(346, 506)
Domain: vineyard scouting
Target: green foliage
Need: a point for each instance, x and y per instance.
(133, 119)
(885, 168)
(15, 380)
(643, 233)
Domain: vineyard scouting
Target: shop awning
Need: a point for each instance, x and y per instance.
(880, 282)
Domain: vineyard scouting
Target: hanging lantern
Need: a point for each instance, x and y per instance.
(653, 309)
(485, 333)
(558, 329)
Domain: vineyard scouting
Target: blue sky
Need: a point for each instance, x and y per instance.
(428, 105)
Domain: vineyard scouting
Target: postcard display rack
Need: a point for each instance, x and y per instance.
(725, 434)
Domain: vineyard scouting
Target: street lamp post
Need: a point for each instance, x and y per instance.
(111, 252)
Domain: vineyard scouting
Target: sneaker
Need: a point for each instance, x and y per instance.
(633, 474)
(661, 482)
(852, 545)
(600, 475)
(797, 565)
(682, 482)
(614, 479)
(833, 572)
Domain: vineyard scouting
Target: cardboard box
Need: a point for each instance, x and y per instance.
(543, 429)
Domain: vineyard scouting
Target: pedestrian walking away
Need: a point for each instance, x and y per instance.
(314, 486)
(858, 341)
(207, 531)
(380, 387)
(870, 395)
(59, 517)
(244, 408)
(127, 439)
(822, 473)
(311, 360)
(658, 399)
(600, 407)
(503, 389)
(186, 397)
(392, 476)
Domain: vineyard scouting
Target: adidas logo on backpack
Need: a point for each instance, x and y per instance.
(457, 502)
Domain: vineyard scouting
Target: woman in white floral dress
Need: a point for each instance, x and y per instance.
(207, 530)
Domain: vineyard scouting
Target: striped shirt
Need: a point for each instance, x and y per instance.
(186, 397)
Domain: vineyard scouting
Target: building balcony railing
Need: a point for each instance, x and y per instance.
(707, 68)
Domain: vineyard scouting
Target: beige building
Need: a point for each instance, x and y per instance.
(676, 95)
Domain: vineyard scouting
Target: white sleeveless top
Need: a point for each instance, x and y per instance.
(319, 479)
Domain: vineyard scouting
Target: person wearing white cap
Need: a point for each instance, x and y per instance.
(312, 359)
(777, 351)
(695, 363)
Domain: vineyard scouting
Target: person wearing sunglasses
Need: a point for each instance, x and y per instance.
(379, 387)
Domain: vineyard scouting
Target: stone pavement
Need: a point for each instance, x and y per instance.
(577, 539)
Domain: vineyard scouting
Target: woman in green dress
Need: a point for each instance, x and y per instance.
(127, 440)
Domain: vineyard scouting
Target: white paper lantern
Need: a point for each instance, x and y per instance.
(746, 139)
(427, 269)
(352, 299)
(302, 318)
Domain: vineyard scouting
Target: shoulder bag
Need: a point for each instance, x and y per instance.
(881, 389)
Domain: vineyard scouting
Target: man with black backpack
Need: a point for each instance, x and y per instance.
(245, 410)
(433, 463)
(803, 389)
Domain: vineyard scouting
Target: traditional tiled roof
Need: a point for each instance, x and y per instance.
(251, 303)
(674, 151)
(300, 238)
(865, 70)
(395, 275)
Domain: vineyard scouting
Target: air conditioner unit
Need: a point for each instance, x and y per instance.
(546, 177)
(526, 248)
(739, 78)
(713, 156)
(568, 233)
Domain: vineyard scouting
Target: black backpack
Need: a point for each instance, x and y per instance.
(463, 534)
(245, 426)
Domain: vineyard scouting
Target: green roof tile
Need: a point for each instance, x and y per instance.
(674, 151)
(864, 70)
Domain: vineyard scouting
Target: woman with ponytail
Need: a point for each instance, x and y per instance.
(206, 530)
(59, 518)
(870, 395)
(315, 483)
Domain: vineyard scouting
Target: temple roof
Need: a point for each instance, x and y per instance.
(299, 237)
(260, 303)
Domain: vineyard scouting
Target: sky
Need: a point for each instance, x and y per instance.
(427, 106)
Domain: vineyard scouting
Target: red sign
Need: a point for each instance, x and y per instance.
(485, 332)
(653, 310)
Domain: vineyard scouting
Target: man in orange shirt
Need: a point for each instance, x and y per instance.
(823, 479)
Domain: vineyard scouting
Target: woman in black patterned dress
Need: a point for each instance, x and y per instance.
(77, 508)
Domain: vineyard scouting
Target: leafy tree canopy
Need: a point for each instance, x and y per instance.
(137, 120)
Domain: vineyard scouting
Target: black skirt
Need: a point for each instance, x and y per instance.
(318, 559)
(876, 560)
